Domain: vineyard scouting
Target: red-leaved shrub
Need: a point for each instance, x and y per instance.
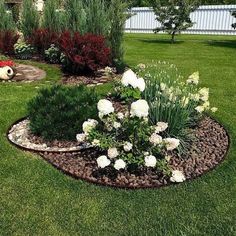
(6, 63)
(41, 39)
(7, 41)
(83, 53)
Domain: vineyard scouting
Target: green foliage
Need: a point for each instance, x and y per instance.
(127, 94)
(133, 131)
(53, 54)
(7, 22)
(174, 17)
(54, 17)
(117, 18)
(76, 16)
(97, 15)
(173, 101)
(234, 24)
(23, 51)
(58, 112)
(29, 18)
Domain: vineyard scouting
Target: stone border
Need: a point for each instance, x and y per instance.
(96, 182)
(40, 148)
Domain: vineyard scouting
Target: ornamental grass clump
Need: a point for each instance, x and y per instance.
(58, 113)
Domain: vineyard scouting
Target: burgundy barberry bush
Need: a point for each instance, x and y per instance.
(41, 39)
(84, 53)
(7, 40)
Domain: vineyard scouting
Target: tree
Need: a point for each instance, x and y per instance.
(29, 18)
(174, 17)
(118, 17)
(234, 24)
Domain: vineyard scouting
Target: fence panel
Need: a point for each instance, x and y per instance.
(215, 19)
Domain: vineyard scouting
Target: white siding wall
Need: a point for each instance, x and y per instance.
(208, 20)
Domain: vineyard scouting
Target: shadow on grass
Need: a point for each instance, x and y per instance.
(161, 41)
(227, 44)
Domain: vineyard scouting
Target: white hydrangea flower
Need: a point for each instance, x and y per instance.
(120, 116)
(177, 176)
(89, 125)
(140, 109)
(214, 109)
(200, 109)
(140, 84)
(105, 107)
(128, 146)
(119, 164)
(103, 161)
(161, 127)
(112, 153)
(171, 143)
(150, 161)
(96, 143)
(128, 78)
(194, 78)
(155, 139)
(204, 94)
(81, 137)
(116, 125)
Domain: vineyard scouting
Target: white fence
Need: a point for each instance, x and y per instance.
(208, 20)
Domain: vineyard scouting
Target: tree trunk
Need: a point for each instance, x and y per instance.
(173, 37)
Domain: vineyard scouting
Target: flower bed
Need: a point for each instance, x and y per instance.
(149, 132)
(212, 145)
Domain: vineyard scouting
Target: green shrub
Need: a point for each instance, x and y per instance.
(54, 17)
(53, 54)
(59, 112)
(97, 15)
(7, 22)
(76, 16)
(23, 51)
(29, 18)
(117, 18)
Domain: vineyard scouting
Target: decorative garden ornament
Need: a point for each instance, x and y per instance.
(6, 73)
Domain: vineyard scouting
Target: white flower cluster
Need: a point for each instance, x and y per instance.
(129, 78)
(177, 176)
(193, 79)
(139, 109)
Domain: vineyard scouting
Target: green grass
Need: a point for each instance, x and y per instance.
(36, 199)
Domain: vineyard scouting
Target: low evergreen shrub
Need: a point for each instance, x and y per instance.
(58, 113)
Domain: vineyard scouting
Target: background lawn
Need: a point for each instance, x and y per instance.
(36, 199)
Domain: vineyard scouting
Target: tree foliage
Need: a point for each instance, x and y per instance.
(29, 18)
(234, 24)
(174, 17)
(6, 19)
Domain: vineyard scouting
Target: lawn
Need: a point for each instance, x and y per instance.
(36, 199)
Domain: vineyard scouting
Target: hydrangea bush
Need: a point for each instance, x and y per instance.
(161, 105)
(128, 139)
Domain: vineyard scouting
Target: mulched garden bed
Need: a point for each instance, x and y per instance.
(99, 78)
(207, 151)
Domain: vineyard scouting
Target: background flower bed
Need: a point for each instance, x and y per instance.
(205, 206)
